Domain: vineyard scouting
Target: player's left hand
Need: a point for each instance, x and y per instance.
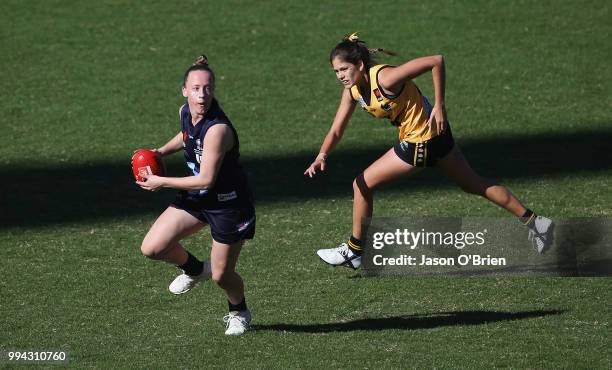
(437, 118)
(151, 182)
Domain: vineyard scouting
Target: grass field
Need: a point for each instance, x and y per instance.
(86, 83)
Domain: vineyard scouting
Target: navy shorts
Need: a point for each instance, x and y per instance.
(426, 153)
(227, 225)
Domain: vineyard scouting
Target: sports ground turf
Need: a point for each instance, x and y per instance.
(86, 83)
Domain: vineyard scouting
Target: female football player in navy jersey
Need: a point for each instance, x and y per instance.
(214, 193)
(425, 140)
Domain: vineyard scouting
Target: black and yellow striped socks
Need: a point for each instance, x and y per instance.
(355, 245)
(528, 218)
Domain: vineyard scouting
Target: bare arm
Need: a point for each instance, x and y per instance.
(219, 139)
(334, 135)
(392, 79)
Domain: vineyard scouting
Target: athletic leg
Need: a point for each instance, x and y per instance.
(162, 243)
(223, 259)
(456, 167)
(385, 169)
(162, 240)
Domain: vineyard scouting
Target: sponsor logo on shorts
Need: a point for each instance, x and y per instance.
(243, 225)
(224, 197)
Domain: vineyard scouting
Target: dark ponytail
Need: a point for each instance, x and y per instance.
(201, 64)
(353, 50)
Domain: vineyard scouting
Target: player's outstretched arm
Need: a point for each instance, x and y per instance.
(333, 137)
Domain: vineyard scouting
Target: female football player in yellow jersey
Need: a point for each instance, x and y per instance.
(425, 140)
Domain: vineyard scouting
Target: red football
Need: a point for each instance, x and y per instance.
(146, 161)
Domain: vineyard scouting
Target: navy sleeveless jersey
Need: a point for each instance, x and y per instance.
(231, 187)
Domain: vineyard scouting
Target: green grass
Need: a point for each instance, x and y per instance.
(529, 97)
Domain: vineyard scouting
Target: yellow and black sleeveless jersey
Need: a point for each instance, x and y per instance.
(409, 110)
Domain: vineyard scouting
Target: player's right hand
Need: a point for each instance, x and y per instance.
(319, 162)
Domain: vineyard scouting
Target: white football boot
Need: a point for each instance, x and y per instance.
(541, 234)
(183, 283)
(340, 256)
(237, 322)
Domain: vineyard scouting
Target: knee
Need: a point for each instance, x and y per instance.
(151, 250)
(355, 187)
(219, 275)
(360, 187)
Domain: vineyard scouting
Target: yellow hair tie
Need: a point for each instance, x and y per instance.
(353, 37)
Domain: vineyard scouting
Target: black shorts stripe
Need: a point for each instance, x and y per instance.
(426, 153)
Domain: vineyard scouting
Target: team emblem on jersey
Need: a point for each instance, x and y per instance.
(386, 106)
(185, 136)
(198, 150)
(378, 95)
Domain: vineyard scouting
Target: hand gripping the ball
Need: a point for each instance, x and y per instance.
(147, 164)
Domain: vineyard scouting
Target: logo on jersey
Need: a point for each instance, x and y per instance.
(198, 150)
(378, 95)
(224, 197)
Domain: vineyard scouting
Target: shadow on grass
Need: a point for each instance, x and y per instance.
(411, 322)
(72, 192)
